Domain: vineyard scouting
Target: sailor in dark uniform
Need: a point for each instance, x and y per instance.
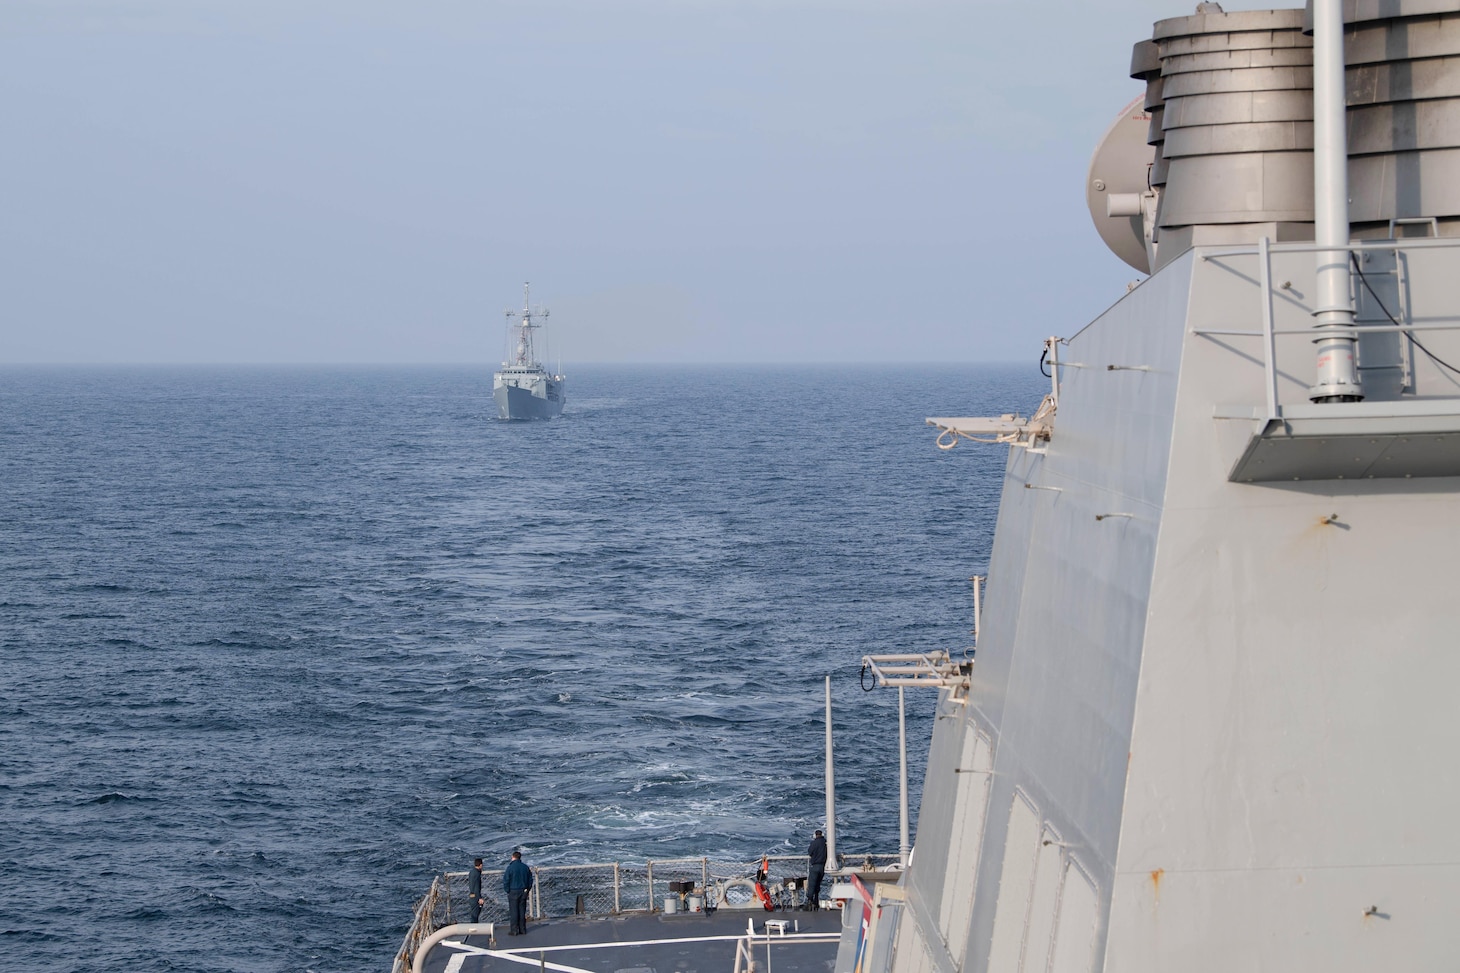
(474, 891)
(517, 882)
(817, 853)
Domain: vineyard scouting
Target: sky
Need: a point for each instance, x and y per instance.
(716, 181)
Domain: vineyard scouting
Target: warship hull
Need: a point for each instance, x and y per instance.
(514, 402)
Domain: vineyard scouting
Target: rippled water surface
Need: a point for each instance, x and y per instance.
(278, 644)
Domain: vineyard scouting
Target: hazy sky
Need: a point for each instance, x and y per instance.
(701, 180)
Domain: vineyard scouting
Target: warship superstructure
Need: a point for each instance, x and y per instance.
(524, 388)
(1208, 725)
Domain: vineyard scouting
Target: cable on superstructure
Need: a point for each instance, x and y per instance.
(1395, 321)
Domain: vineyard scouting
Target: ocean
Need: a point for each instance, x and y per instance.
(281, 643)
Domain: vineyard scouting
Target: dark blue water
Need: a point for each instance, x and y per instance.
(279, 644)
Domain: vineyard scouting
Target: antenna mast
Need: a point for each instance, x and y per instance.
(521, 353)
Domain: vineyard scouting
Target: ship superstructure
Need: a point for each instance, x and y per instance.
(1208, 725)
(524, 388)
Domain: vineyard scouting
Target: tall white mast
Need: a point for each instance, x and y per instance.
(521, 332)
(830, 787)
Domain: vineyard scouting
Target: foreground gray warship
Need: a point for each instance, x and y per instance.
(1208, 725)
(524, 389)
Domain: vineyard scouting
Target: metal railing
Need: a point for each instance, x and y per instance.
(745, 947)
(1269, 332)
(424, 922)
(608, 888)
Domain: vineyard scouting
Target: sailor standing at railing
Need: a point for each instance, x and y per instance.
(517, 882)
(474, 891)
(816, 853)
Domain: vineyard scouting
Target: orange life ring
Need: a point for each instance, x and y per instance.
(761, 892)
(764, 896)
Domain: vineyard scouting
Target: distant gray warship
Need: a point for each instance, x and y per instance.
(524, 389)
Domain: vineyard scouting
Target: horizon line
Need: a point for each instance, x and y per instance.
(493, 365)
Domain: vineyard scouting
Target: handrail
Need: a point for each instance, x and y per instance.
(1269, 361)
(435, 909)
(1360, 328)
(1360, 245)
(745, 945)
(420, 927)
(1264, 249)
(742, 951)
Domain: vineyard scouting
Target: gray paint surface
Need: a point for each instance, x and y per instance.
(519, 403)
(1216, 660)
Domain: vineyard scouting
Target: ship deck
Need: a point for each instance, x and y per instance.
(650, 943)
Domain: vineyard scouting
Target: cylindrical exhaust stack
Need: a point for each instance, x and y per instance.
(1236, 91)
(1230, 100)
(1403, 77)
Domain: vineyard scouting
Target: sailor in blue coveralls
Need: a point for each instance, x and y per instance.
(517, 882)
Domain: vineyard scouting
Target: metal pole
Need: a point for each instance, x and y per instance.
(977, 607)
(1269, 353)
(1338, 375)
(905, 849)
(830, 787)
(1053, 344)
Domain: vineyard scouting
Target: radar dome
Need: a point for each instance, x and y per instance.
(1119, 176)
